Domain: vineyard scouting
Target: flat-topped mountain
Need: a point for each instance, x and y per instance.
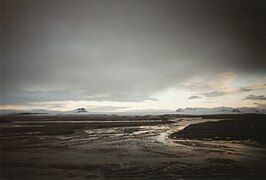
(80, 110)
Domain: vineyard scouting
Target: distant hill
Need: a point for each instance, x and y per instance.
(80, 110)
(75, 111)
(182, 111)
(219, 110)
(42, 112)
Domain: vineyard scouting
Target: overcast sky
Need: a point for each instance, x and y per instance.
(118, 55)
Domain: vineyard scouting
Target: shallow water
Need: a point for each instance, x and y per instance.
(131, 152)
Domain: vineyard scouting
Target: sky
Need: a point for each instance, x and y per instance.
(124, 55)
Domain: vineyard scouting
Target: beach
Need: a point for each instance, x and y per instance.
(126, 147)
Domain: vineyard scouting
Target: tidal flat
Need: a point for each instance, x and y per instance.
(132, 147)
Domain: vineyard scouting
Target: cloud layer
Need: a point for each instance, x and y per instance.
(254, 97)
(194, 97)
(123, 50)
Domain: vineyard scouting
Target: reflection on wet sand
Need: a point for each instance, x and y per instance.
(137, 150)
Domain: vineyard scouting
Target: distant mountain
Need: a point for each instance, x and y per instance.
(219, 110)
(28, 112)
(42, 112)
(75, 111)
(186, 111)
(80, 110)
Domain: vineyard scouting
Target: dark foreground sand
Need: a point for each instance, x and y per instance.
(244, 127)
(122, 147)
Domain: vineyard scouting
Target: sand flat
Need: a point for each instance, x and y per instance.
(122, 150)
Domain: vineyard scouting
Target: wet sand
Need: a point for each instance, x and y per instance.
(121, 147)
(249, 127)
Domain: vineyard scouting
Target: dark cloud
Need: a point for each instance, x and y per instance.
(214, 94)
(18, 97)
(242, 89)
(194, 97)
(254, 97)
(123, 49)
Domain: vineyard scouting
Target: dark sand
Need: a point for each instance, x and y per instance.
(123, 147)
(248, 127)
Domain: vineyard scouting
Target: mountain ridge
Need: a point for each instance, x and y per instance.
(220, 110)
